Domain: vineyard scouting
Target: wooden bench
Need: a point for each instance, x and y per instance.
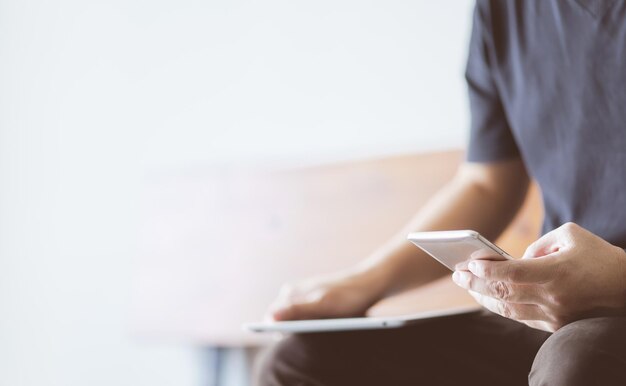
(218, 242)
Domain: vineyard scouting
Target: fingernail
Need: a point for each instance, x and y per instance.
(456, 276)
(472, 266)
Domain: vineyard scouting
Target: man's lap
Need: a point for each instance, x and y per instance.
(477, 349)
(480, 348)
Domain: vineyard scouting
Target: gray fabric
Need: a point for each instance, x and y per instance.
(547, 82)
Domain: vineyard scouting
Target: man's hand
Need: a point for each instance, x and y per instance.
(566, 275)
(337, 295)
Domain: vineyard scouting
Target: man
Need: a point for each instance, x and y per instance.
(547, 88)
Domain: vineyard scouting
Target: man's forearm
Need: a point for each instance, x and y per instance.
(481, 197)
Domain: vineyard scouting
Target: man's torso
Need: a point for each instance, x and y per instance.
(560, 71)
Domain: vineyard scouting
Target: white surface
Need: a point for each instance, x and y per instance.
(454, 247)
(94, 92)
(350, 324)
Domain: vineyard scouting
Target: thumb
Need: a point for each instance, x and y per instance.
(545, 245)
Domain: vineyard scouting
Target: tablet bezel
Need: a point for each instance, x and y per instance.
(351, 324)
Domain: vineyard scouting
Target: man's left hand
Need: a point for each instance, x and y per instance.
(566, 275)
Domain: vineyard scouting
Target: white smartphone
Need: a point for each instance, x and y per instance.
(453, 247)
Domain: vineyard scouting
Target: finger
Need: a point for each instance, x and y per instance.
(462, 266)
(551, 242)
(278, 311)
(514, 271)
(478, 255)
(519, 312)
(282, 303)
(287, 304)
(485, 254)
(540, 325)
(298, 311)
(508, 292)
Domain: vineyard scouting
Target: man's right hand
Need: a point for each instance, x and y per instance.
(337, 295)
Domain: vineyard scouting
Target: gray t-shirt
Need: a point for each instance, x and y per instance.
(547, 82)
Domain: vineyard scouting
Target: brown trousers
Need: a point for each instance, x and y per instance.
(474, 349)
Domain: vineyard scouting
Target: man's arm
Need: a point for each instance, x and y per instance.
(482, 197)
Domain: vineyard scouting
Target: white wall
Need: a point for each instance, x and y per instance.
(93, 93)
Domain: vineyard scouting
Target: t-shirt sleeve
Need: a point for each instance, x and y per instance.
(490, 137)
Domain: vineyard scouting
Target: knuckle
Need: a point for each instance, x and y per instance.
(327, 298)
(570, 227)
(558, 316)
(558, 301)
(500, 290)
(553, 294)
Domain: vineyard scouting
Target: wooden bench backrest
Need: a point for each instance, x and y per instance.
(216, 244)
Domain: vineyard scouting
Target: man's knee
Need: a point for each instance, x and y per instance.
(586, 352)
(338, 358)
(279, 365)
(298, 360)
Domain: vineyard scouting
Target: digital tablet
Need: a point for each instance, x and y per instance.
(453, 247)
(345, 324)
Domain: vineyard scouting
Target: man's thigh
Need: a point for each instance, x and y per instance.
(586, 352)
(474, 349)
